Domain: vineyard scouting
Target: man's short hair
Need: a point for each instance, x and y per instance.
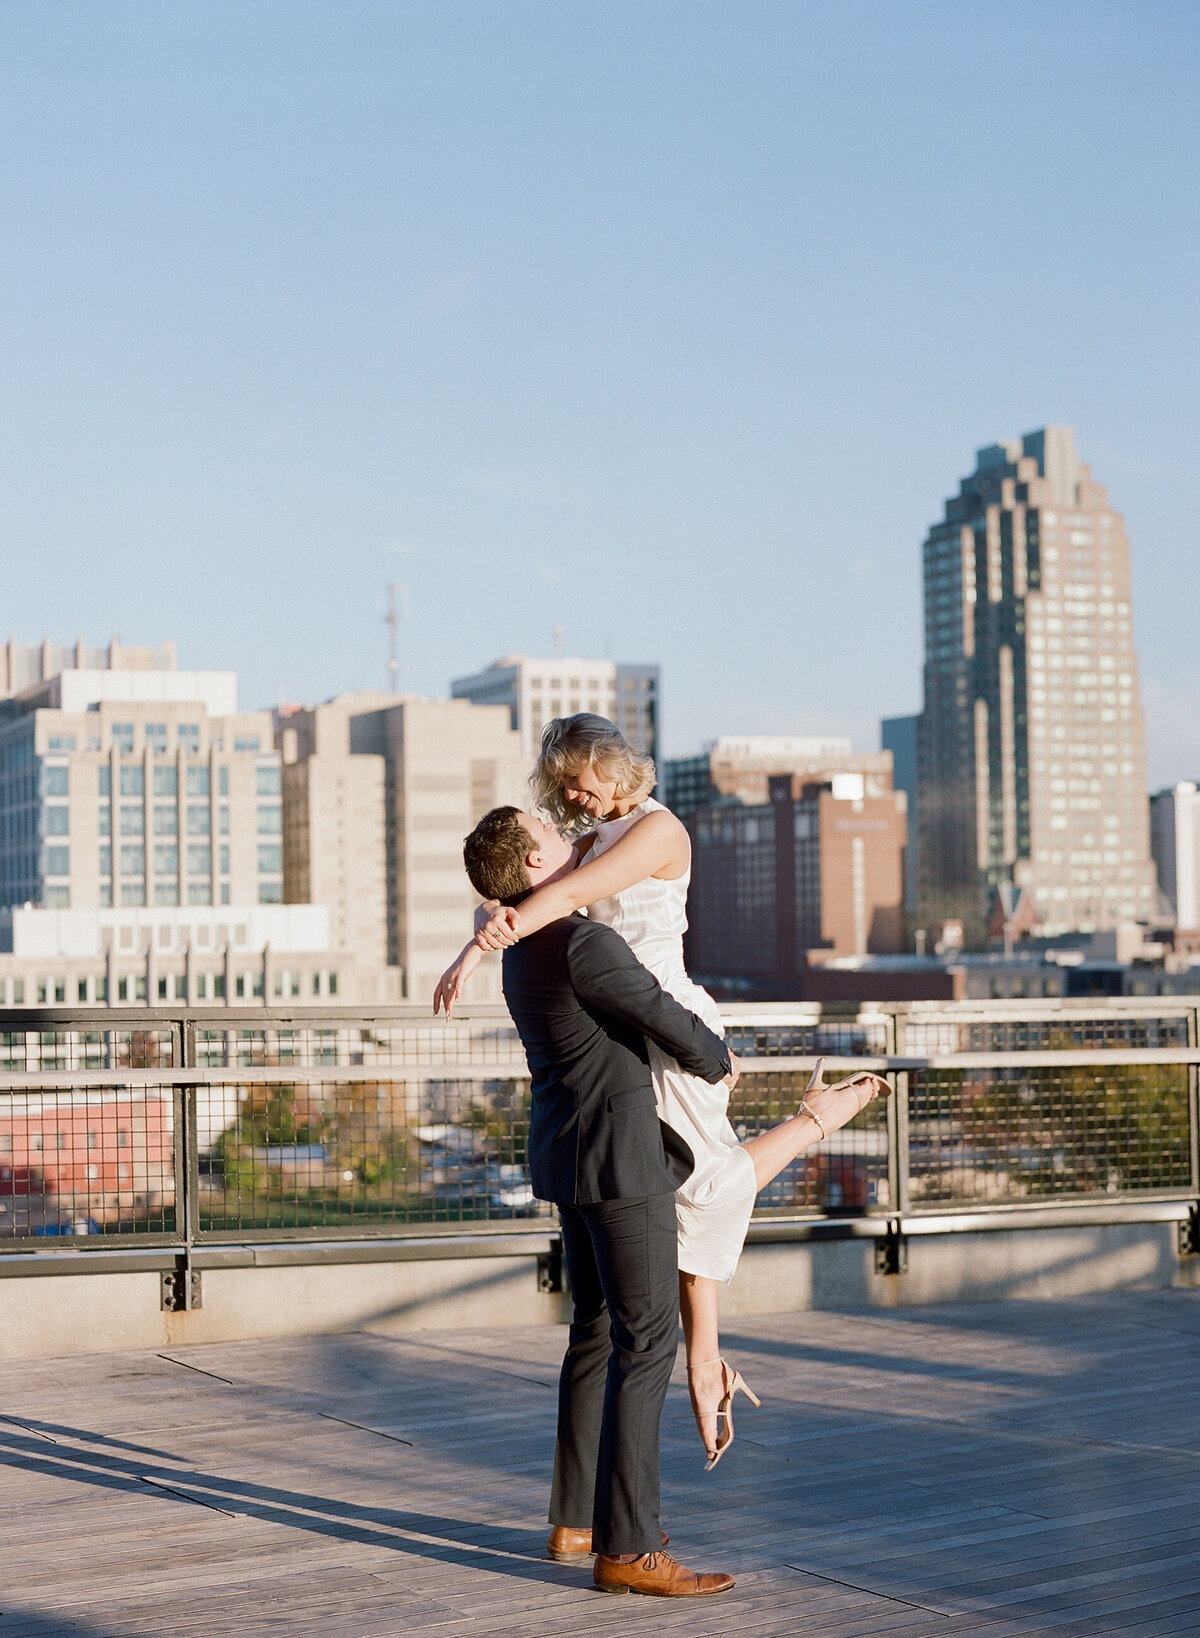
(494, 854)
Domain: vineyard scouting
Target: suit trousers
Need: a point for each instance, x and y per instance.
(622, 1263)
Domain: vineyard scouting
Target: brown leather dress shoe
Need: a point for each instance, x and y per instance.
(569, 1546)
(658, 1576)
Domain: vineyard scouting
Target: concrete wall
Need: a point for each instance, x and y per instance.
(42, 1316)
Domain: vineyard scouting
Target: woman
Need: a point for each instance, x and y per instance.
(633, 872)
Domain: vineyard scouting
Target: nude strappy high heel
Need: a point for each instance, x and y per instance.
(733, 1382)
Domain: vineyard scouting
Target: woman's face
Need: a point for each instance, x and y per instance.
(587, 788)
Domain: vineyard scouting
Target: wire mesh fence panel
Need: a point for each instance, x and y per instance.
(933, 1036)
(1012, 1134)
(26, 1051)
(847, 1172)
(353, 1045)
(83, 1162)
(362, 1156)
(833, 1037)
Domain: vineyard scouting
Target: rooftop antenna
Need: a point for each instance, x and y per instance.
(558, 642)
(392, 620)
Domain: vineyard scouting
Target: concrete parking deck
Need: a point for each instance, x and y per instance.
(993, 1470)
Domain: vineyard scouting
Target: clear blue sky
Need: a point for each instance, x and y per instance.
(672, 324)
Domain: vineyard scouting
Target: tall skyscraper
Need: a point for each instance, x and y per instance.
(1031, 752)
(1175, 841)
(899, 736)
(535, 691)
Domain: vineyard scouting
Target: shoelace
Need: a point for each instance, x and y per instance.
(651, 1560)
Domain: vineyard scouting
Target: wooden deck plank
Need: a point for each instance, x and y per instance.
(984, 1471)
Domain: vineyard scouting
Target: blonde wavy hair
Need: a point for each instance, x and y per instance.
(586, 741)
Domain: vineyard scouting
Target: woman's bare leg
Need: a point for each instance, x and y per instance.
(835, 1105)
(702, 1342)
(770, 1152)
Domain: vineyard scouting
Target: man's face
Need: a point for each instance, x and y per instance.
(548, 851)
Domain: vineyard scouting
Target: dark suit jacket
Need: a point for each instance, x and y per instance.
(583, 1005)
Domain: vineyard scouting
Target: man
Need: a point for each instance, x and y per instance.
(584, 1005)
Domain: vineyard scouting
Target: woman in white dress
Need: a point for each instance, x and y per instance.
(633, 872)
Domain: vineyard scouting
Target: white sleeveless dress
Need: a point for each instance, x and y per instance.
(713, 1207)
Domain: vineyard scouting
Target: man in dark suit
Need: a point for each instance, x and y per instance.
(584, 1005)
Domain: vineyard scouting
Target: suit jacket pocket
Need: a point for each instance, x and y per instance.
(639, 1097)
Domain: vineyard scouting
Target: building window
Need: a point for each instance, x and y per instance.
(166, 819)
(246, 744)
(269, 779)
(224, 892)
(58, 861)
(81, 990)
(198, 783)
(270, 821)
(199, 859)
(189, 736)
(166, 859)
(199, 819)
(56, 819)
(105, 860)
(133, 779)
(104, 815)
(225, 859)
(166, 892)
(270, 858)
(122, 738)
(133, 894)
(133, 819)
(55, 781)
(200, 891)
(166, 781)
(223, 780)
(106, 895)
(223, 820)
(155, 734)
(133, 860)
(333, 983)
(270, 892)
(61, 742)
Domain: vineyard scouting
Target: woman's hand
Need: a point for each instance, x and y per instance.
(501, 929)
(484, 912)
(451, 983)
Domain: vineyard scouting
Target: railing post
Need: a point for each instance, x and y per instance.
(181, 1288)
(897, 1114)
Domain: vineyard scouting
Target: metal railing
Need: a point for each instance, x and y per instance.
(196, 1130)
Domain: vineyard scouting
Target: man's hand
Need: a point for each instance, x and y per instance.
(735, 1070)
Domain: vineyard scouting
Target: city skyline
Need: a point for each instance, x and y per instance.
(666, 328)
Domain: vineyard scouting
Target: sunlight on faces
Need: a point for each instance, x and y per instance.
(588, 789)
(548, 850)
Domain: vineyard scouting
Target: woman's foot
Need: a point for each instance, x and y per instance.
(832, 1107)
(715, 1419)
(706, 1385)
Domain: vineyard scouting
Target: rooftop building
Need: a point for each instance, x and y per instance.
(379, 792)
(740, 767)
(140, 785)
(536, 691)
